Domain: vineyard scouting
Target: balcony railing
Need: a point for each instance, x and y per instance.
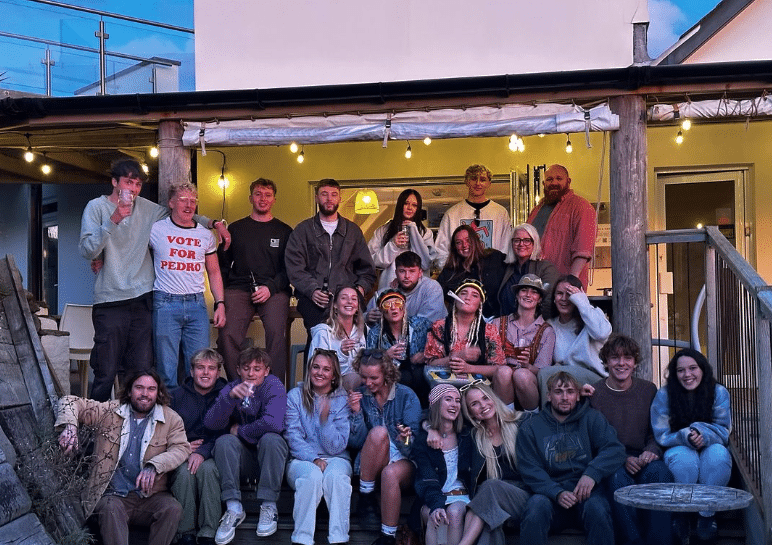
(701, 269)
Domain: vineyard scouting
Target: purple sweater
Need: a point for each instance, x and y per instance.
(264, 415)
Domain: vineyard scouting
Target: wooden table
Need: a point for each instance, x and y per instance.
(684, 498)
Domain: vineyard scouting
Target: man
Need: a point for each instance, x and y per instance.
(625, 401)
(489, 219)
(256, 281)
(563, 453)
(325, 252)
(114, 234)
(251, 411)
(423, 294)
(197, 481)
(183, 251)
(566, 224)
(138, 441)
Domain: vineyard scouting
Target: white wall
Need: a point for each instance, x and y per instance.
(745, 38)
(264, 43)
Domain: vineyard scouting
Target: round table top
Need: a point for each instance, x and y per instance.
(683, 497)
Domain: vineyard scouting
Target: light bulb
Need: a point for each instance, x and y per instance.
(408, 151)
(294, 147)
(699, 226)
(513, 145)
(427, 140)
(222, 181)
(29, 156)
(301, 156)
(145, 168)
(154, 152)
(569, 147)
(679, 139)
(686, 124)
(366, 199)
(46, 169)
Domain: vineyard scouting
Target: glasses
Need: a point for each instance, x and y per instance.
(468, 385)
(372, 353)
(523, 241)
(324, 352)
(186, 201)
(392, 303)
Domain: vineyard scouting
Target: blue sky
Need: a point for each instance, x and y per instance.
(669, 19)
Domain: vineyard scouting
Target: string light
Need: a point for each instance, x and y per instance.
(427, 140)
(516, 143)
(293, 147)
(154, 152)
(408, 151)
(28, 155)
(679, 139)
(569, 147)
(301, 155)
(686, 124)
(145, 168)
(45, 167)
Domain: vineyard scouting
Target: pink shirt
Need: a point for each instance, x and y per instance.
(569, 233)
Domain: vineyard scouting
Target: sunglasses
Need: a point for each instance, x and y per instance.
(389, 304)
(476, 217)
(324, 352)
(372, 353)
(468, 385)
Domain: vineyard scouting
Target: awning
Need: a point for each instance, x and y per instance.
(523, 120)
(722, 108)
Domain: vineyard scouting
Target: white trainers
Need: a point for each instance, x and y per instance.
(268, 522)
(227, 529)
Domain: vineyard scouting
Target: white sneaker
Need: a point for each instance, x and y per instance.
(268, 522)
(227, 529)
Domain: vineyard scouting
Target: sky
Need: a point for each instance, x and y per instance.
(669, 19)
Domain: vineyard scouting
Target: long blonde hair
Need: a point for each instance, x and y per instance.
(307, 391)
(507, 421)
(334, 323)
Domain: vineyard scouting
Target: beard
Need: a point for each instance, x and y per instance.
(553, 194)
(328, 209)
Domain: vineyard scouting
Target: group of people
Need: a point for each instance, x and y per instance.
(468, 388)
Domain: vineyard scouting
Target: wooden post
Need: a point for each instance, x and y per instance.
(629, 220)
(173, 158)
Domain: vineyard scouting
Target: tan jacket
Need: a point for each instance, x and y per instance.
(164, 444)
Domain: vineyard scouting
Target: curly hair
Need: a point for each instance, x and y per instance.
(687, 406)
(163, 397)
(399, 216)
(619, 345)
(378, 358)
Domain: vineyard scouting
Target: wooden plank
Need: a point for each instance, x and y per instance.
(14, 500)
(26, 530)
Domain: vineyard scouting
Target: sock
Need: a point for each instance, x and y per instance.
(270, 504)
(366, 487)
(234, 505)
(388, 530)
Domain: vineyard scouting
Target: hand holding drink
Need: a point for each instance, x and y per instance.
(125, 206)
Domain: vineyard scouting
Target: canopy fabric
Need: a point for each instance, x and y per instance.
(524, 120)
(712, 109)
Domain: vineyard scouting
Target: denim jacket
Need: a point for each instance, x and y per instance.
(401, 407)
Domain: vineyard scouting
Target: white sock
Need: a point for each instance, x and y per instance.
(234, 505)
(365, 487)
(388, 530)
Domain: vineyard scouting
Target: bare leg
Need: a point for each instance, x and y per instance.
(502, 384)
(455, 512)
(431, 531)
(375, 454)
(394, 478)
(526, 388)
(351, 381)
(473, 527)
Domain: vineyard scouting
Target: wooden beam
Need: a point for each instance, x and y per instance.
(629, 217)
(173, 159)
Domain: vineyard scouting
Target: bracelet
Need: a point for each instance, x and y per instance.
(217, 304)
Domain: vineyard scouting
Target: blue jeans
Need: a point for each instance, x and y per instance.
(711, 465)
(629, 521)
(542, 515)
(178, 319)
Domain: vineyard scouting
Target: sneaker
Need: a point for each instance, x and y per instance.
(383, 539)
(268, 523)
(707, 529)
(227, 529)
(366, 513)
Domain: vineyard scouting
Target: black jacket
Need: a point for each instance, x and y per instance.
(192, 407)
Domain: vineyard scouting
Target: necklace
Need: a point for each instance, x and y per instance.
(610, 387)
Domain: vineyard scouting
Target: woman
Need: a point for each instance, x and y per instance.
(501, 495)
(691, 418)
(528, 343)
(405, 231)
(385, 417)
(343, 332)
(469, 259)
(462, 342)
(442, 480)
(580, 331)
(403, 338)
(526, 246)
(317, 431)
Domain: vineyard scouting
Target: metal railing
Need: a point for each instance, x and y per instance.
(66, 51)
(734, 333)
